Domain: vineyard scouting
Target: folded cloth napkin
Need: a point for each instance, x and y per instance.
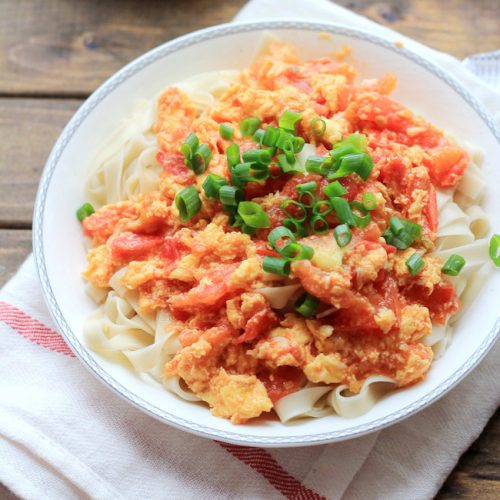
(64, 435)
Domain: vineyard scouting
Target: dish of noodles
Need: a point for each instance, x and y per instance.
(286, 238)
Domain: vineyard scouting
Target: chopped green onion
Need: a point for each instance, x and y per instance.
(307, 305)
(226, 131)
(231, 195)
(289, 167)
(297, 227)
(298, 144)
(362, 220)
(212, 184)
(244, 173)
(276, 265)
(233, 155)
(317, 165)
(234, 220)
(453, 265)
(319, 224)
(318, 210)
(359, 141)
(369, 201)
(249, 126)
(343, 150)
(289, 151)
(296, 251)
(297, 206)
(396, 225)
(401, 233)
(318, 131)
(283, 138)
(343, 210)
(307, 199)
(201, 158)
(277, 235)
(415, 264)
(288, 120)
(188, 148)
(84, 211)
(245, 228)
(253, 214)
(342, 235)
(258, 136)
(262, 156)
(359, 163)
(188, 202)
(334, 189)
(271, 135)
(306, 186)
(495, 249)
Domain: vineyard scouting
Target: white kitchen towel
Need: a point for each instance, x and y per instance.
(64, 435)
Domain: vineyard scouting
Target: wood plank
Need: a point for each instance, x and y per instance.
(70, 47)
(477, 474)
(15, 245)
(29, 128)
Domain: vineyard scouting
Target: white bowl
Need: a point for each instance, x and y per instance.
(60, 255)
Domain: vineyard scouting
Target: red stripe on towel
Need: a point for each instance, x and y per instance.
(257, 458)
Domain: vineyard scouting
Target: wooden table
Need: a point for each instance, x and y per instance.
(54, 53)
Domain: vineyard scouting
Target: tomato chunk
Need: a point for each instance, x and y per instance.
(261, 322)
(130, 246)
(447, 164)
(281, 382)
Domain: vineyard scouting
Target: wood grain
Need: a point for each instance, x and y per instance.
(15, 245)
(61, 47)
(28, 128)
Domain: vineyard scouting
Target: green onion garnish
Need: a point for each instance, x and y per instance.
(233, 155)
(319, 224)
(453, 265)
(343, 210)
(289, 151)
(231, 195)
(212, 184)
(276, 265)
(244, 173)
(317, 165)
(342, 235)
(415, 264)
(322, 207)
(369, 201)
(249, 126)
(287, 166)
(288, 120)
(307, 305)
(84, 211)
(226, 131)
(359, 163)
(318, 126)
(271, 135)
(201, 158)
(258, 136)
(253, 214)
(363, 219)
(401, 233)
(298, 228)
(307, 199)
(359, 141)
(188, 202)
(339, 151)
(280, 234)
(188, 148)
(298, 144)
(306, 186)
(262, 156)
(495, 249)
(296, 207)
(245, 228)
(296, 251)
(334, 189)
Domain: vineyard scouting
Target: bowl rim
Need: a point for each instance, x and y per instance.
(240, 438)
